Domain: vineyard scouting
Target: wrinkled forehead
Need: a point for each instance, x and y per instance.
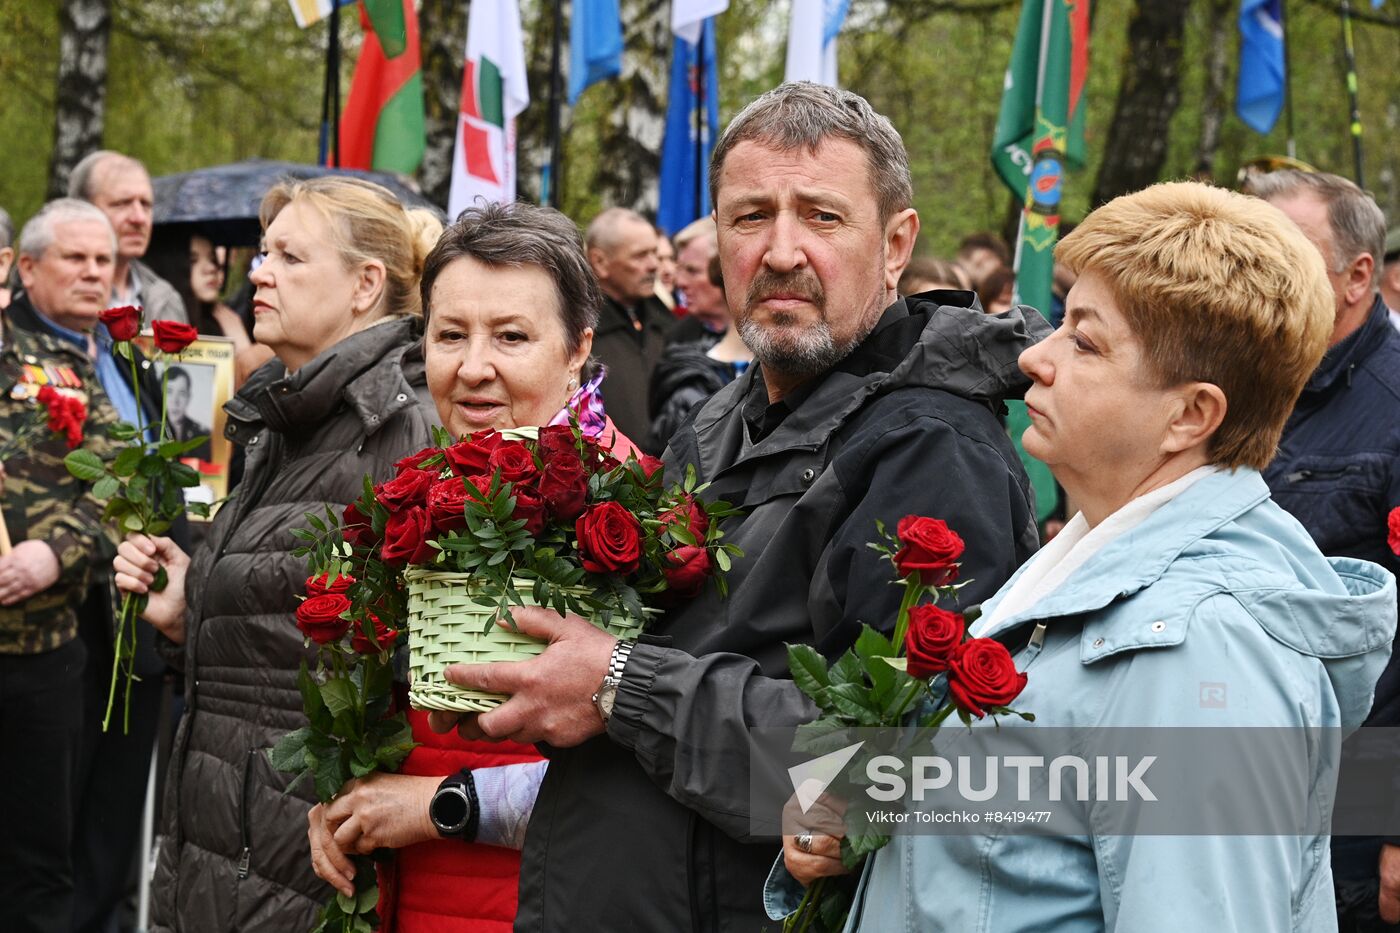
(119, 181)
(760, 168)
(88, 237)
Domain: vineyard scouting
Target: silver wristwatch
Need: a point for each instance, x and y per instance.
(607, 691)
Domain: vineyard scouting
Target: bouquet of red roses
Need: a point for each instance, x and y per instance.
(142, 485)
(465, 531)
(880, 680)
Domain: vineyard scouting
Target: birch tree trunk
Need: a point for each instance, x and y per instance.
(85, 28)
(1219, 29)
(1148, 95)
(443, 26)
(630, 139)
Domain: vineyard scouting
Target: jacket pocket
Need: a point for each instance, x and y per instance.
(245, 851)
(1339, 500)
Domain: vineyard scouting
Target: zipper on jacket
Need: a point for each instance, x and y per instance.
(1299, 475)
(245, 855)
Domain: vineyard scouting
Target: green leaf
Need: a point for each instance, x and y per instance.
(859, 845)
(106, 487)
(329, 775)
(85, 465)
(151, 466)
(367, 899)
(808, 669)
(854, 700)
(127, 460)
(722, 560)
(848, 670)
(289, 754)
(872, 644)
(184, 475)
(347, 904)
(339, 695)
(174, 448)
(122, 431)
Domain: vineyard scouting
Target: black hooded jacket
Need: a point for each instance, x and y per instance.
(648, 828)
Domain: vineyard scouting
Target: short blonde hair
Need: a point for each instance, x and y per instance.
(368, 223)
(1220, 288)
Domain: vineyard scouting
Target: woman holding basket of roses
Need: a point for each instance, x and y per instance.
(1197, 318)
(337, 301)
(509, 304)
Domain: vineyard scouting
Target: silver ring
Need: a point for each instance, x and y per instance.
(804, 841)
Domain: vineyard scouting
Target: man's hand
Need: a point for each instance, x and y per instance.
(826, 824)
(30, 568)
(1390, 883)
(551, 696)
(138, 558)
(379, 811)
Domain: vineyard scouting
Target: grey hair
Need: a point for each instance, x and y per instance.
(80, 180)
(1358, 226)
(7, 229)
(704, 227)
(804, 115)
(523, 234)
(38, 233)
(603, 233)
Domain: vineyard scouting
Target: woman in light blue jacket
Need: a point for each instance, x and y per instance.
(1180, 595)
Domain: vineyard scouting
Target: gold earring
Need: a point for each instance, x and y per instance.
(573, 383)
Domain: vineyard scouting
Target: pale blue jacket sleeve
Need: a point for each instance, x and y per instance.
(506, 795)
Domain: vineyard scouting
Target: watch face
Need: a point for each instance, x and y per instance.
(449, 810)
(606, 698)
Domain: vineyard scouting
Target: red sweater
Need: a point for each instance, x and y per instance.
(446, 885)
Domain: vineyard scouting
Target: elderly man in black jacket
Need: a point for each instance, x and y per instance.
(864, 408)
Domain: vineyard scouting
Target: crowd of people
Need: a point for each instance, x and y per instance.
(1216, 390)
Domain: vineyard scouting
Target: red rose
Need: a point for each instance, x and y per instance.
(982, 675)
(406, 538)
(557, 440)
(408, 488)
(609, 539)
(651, 466)
(928, 547)
(415, 461)
(686, 570)
(529, 506)
(564, 487)
(1393, 526)
(473, 455)
(931, 639)
(317, 586)
(688, 514)
(514, 460)
(597, 458)
(383, 637)
(320, 618)
(172, 337)
(355, 526)
(122, 323)
(447, 504)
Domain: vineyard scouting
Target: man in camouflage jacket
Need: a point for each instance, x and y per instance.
(59, 547)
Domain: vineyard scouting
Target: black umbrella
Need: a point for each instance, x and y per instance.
(221, 202)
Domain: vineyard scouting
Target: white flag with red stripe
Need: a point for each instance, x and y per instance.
(494, 92)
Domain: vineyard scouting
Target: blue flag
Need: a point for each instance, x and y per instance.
(595, 44)
(685, 156)
(1261, 87)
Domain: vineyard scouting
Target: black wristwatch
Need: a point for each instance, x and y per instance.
(455, 810)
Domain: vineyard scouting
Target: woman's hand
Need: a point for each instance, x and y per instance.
(825, 824)
(138, 558)
(381, 811)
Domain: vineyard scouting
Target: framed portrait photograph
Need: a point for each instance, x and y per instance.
(196, 387)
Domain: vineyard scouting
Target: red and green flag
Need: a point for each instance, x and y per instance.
(383, 127)
(495, 91)
(1040, 131)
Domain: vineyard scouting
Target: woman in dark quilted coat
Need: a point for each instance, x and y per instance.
(337, 301)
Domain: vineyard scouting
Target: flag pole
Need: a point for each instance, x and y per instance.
(1287, 80)
(551, 173)
(700, 108)
(1349, 49)
(333, 83)
(323, 141)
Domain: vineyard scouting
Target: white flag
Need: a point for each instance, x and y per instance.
(494, 92)
(812, 31)
(687, 15)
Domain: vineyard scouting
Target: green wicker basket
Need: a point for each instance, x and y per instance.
(446, 627)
